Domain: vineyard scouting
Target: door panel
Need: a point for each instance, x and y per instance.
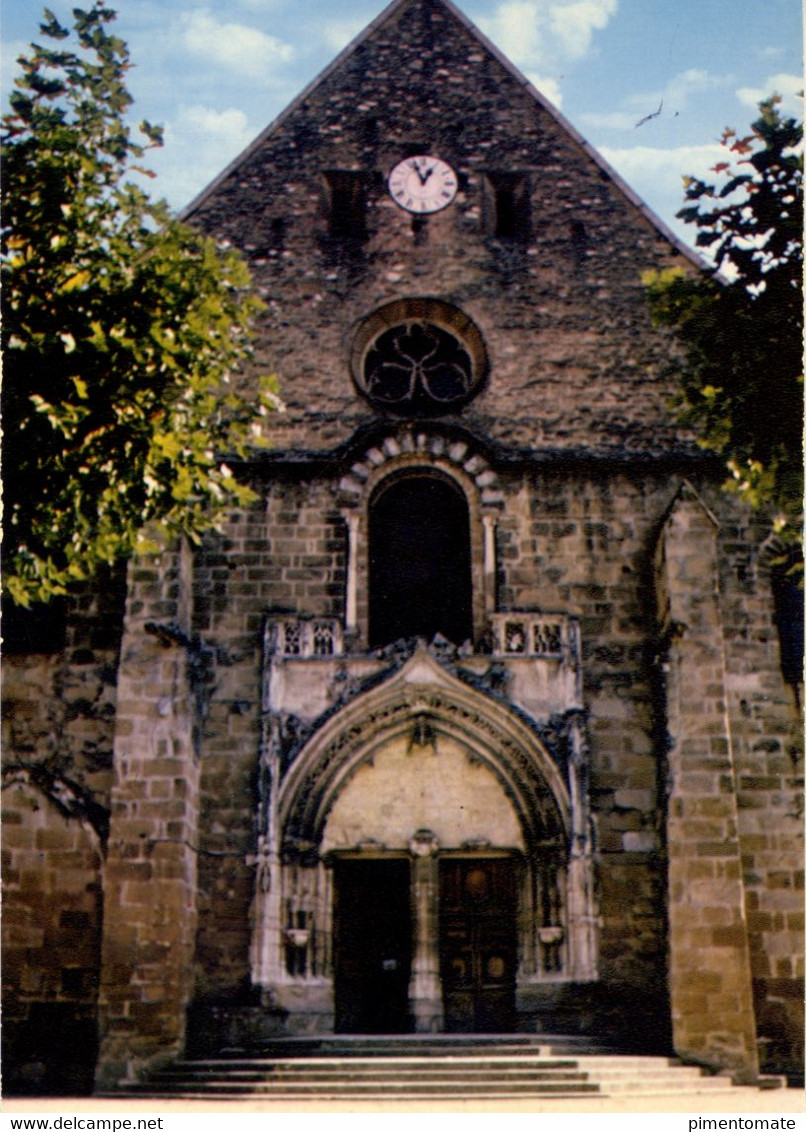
(372, 946)
(478, 944)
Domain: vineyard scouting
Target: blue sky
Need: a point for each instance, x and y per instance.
(215, 74)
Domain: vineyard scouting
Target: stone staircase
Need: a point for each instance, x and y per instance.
(427, 1067)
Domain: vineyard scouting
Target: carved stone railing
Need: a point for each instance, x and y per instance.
(553, 635)
(304, 638)
(533, 662)
(516, 634)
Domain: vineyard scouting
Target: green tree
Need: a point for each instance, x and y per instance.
(742, 387)
(124, 331)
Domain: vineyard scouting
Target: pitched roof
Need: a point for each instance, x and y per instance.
(387, 15)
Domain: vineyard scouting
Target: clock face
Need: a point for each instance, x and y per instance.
(423, 184)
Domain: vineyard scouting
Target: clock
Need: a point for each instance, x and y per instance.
(423, 184)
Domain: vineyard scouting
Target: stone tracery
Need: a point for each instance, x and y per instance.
(418, 369)
(556, 935)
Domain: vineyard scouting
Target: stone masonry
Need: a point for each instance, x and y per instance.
(615, 740)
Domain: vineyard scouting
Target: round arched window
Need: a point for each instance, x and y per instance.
(419, 358)
(420, 580)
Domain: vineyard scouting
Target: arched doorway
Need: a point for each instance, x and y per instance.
(427, 832)
(419, 560)
(425, 847)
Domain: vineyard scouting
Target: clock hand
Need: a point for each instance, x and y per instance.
(416, 167)
(423, 176)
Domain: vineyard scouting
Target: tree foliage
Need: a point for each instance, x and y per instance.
(124, 330)
(742, 388)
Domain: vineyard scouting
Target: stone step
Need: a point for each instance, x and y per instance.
(664, 1087)
(379, 1098)
(571, 1081)
(509, 1067)
(389, 1074)
(376, 1065)
(354, 1067)
(224, 1092)
(461, 1087)
(537, 1056)
(348, 1091)
(344, 1043)
(404, 1071)
(426, 1045)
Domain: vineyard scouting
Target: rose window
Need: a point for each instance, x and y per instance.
(418, 358)
(418, 369)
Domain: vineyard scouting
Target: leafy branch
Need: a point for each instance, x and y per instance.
(742, 386)
(126, 334)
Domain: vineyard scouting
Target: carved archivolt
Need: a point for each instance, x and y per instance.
(423, 692)
(418, 446)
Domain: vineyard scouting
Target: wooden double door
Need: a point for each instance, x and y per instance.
(476, 940)
(478, 944)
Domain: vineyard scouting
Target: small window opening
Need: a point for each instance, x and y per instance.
(509, 212)
(277, 231)
(579, 243)
(368, 132)
(419, 228)
(347, 203)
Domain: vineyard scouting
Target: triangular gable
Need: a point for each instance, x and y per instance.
(686, 493)
(388, 14)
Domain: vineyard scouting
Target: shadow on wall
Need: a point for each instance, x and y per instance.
(52, 1053)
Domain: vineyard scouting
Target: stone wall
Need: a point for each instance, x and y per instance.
(574, 545)
(765, 716)
(573, 427)
(581, 544)
(710, 985)
(574, 360)
(150, 870)
(52, 911)
(58, 729)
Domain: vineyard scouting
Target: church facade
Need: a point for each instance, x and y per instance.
(478, 719)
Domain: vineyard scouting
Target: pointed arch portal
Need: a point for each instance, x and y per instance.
(419, 703)
(429, 855)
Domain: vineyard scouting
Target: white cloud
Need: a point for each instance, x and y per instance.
(682, 159)
(614, 120)
(678, 92)
(787, 85)
(517, 29)
(547, 86)
(336, 34)
(656, 175)
(199, 143)
(770, 52)
(231, 124)
(573, 24)
(675, 97)
(237, 47)
(547, 33)
(690, 84)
